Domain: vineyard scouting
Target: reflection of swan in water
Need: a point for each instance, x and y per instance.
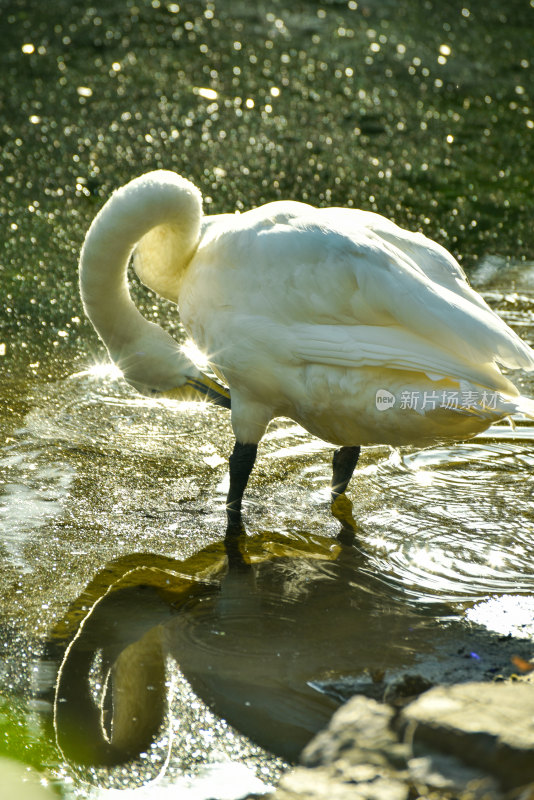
(320, 315)
(260, 627)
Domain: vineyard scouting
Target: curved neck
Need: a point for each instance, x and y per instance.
(159, 198)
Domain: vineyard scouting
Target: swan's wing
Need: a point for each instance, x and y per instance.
(430, 257)
(388, 348)
(322, 269)
(446, 316)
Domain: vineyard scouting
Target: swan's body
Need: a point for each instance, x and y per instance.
(303, 312)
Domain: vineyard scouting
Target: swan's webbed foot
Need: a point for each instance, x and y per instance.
(343, 465)
(241, 464)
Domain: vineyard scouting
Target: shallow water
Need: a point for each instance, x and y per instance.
(112, 506)
(254, 647)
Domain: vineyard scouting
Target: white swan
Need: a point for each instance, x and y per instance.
(360, 331)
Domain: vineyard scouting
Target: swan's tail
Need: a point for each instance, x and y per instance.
(492, 405)
(525, 406)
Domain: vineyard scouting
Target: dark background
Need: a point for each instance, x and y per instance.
(419, 110)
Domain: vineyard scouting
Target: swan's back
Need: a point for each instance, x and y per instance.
(309, 311)
(296, 264)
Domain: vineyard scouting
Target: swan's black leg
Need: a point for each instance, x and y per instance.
(241, 463)
(344, 463)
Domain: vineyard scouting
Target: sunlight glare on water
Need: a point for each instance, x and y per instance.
(101, 371)
(507, 615)
(225, 781)
(449, 523)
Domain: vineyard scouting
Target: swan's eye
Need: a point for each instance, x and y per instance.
(153, 391)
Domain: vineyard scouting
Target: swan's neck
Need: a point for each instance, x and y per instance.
(160, 200)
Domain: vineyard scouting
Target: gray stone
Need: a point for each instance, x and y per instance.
(323, 783)
(471, 741)
(488, 726)
(356, 758)
(448, 775)
(359, 732)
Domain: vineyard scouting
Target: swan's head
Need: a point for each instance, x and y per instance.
(154, 364)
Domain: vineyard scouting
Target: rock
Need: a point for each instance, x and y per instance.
(447, 775)
(468, 741)
(486, 725)
(328, 784)
(360, 732)
(358, 757)
(406, 686)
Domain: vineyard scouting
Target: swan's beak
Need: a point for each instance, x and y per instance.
(201, 388)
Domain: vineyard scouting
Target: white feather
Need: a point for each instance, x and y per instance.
(306, 313)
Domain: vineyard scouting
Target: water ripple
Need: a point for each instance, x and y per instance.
(457, 523)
